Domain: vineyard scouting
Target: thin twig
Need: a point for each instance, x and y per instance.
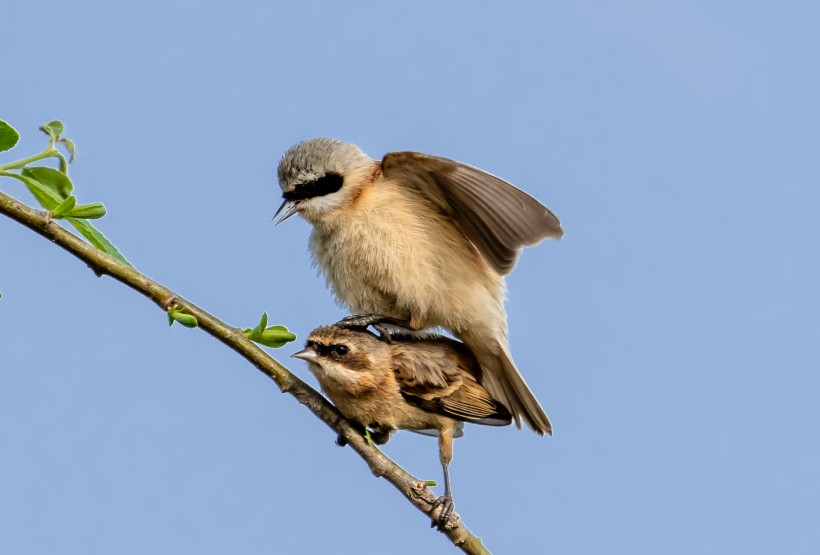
(413, 489)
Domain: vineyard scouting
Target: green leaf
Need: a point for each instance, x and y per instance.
(70, 147)
(64, 207)
(187, 320)
(256, 332)
(97, 239)
(91, 211)
(47, 198)
(53, 128)
(253, 334)
(8, 136)
(275, 338)
(55, 180)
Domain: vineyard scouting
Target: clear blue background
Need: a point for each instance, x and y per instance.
(672, 334)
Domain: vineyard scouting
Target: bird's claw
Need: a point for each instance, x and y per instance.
(380, 435)
(384, 333)
(363, 321)
(377, 435)
(355, 321)
(446, 507)
(341, 440)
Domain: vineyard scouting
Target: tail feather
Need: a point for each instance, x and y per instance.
(506, 384)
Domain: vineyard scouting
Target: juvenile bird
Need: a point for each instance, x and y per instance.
(424, 383)
(422, 239)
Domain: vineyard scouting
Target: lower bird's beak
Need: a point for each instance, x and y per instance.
(289, 207)
(309, 354)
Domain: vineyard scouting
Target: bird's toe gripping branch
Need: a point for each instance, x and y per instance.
(442, 510)
(446, 517)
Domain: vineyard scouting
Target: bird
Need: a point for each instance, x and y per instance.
(427, 383)
(421, 239)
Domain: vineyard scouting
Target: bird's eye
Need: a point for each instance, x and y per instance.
(325, 185)
(341, 350)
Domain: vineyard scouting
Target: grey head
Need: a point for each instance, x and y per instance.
(312, 172)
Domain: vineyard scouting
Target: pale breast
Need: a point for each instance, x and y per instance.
(384, 407)
(391, 254)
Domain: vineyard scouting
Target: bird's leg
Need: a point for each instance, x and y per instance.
(362, 321)
(445, 502)
(365, 320)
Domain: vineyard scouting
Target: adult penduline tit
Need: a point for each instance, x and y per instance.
(422, 239)
(425, 383)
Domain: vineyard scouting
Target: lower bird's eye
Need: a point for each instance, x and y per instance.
(341, 350)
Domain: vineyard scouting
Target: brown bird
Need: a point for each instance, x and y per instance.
(427, 384)
(421, 239)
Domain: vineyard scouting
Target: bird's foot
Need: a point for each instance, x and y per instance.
(444, 519)
(380, 435)
(375, 435)
(384, 333)
(341, 440)
(363, 321)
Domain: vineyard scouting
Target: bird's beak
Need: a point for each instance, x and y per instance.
(309, 354)
(289, 208)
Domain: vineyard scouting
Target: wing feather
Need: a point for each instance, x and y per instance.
(497, 217)
(433, 379)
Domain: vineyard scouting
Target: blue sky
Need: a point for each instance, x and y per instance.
(672, 335)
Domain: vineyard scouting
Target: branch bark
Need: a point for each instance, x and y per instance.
(414, 490)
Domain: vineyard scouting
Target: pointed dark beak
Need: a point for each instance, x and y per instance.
(309, 354)
(289, 207)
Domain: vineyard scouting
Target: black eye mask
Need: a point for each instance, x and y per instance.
(334, 349)
(325, 185)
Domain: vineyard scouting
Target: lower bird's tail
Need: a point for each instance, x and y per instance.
(506, 384)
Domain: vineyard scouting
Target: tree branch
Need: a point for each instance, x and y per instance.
(102, 264)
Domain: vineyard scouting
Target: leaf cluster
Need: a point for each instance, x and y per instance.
(53, 188)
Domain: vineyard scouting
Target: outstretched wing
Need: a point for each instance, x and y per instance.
(441, 377)
(497, 217)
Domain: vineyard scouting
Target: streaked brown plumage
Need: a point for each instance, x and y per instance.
(422, 239)
(417, 383)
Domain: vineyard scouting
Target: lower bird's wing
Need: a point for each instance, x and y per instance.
(438, 377)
